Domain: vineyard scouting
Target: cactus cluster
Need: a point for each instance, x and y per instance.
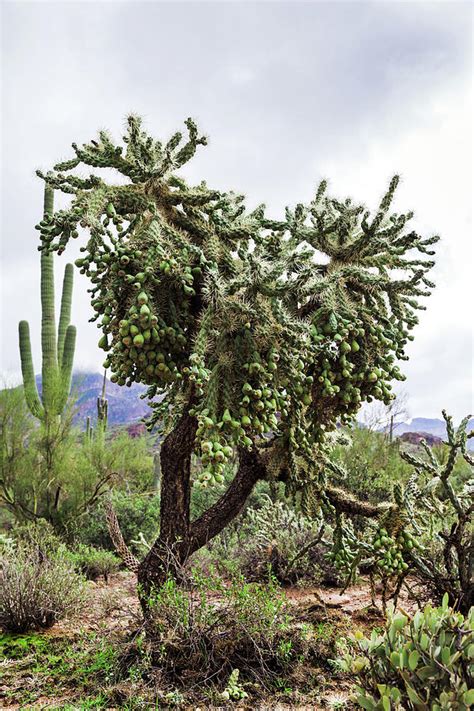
(389, 550)
(206, 302)
(427, 514)
(57, 347)
(426, 662)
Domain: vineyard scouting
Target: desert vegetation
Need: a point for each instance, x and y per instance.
(255, 547)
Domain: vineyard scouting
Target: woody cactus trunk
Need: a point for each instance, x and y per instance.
(57, 350)
(255, 345)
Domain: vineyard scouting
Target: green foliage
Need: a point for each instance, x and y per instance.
(424, 663)
(370, 465)
(36, 588)
(93, 562)
(64, 488)
(276, 537)
(61, 667)
(138, 513)
(425, 530)
(18, 457)
(58, 348)
(233, 691)
(203, 631)
(210, 304)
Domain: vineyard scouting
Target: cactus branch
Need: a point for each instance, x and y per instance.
(65, 317)
(28, 373)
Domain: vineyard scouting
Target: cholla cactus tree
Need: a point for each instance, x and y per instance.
(58, 348)
(259, 335)
(452, 508)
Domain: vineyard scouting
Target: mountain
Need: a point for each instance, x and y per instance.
(127, 408)
(124, 404)
(432, 427)
(422, 424)
(417, 437)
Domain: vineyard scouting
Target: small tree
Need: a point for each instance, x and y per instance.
(258, 335)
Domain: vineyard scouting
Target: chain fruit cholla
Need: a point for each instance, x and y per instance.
(251, 336)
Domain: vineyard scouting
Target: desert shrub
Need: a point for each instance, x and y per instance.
(93, 562)
(426, 662)
(60, 477)
(36, 589)
(424, 531)
(278, 538)
(39, 535)
(215, 627)
(7, 543)
(371, 465)
(137, 513)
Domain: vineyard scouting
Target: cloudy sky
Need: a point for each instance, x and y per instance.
(288, 93)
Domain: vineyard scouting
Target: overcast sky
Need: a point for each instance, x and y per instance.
(287, 93)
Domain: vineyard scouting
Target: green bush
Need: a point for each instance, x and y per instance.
(137, 513)
(213, 627)
(276, 537)
(63, 491)
(93, 562)
(425, 663)
(371, 465)
(36, 589)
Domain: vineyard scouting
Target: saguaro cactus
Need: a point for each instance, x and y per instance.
(58, 350)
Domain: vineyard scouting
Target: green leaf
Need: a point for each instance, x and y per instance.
(424, 641)
(395, 694)
(413, 660)
(414, 698)
(468, 697)
(399, 622)
(417, 620)
(446, 655)
(395, 659)
(386, 703)
(366, 702)
(427, 672)
(445, 602)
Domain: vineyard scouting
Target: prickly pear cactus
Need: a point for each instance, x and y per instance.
(208, 303)
(423, 663)
(58, 348)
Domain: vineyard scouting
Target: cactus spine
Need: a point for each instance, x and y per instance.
(58, 351)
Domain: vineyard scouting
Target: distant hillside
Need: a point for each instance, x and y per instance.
(127, 408)
(417, 437)
(125, 404)
(426, 426)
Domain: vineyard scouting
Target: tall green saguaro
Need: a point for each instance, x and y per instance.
(58, 349)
